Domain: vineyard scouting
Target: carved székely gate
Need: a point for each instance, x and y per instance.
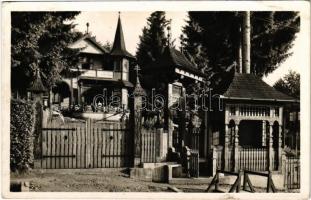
(86, 144)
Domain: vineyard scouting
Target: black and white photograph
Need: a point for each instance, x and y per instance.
(158, 100)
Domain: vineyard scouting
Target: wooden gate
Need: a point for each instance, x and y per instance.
(86, 144)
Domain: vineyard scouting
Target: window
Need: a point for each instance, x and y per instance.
(87, 63)
(125, 71)
(117, 70)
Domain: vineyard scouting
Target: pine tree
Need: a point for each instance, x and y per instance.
(152, 40)
(219, 35)
(40, 41)
(289, 84)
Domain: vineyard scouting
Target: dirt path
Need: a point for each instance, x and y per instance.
(94, 180)
(102, 180)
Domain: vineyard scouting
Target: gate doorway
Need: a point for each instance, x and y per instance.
(86, 144)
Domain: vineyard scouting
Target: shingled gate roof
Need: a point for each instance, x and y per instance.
(250, 86)
(174, 58)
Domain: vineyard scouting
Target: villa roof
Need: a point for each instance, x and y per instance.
(91, 39)
(118, 48)
(252, 87)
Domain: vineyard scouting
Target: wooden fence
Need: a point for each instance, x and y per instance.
(153, 145)
(291, 171)
(255, 159)
(149, 142)
(86, 144)
(194, 164)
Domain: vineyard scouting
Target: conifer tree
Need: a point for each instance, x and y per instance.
(152, 40)
(217, 35)
(40, 41)
(289, 84)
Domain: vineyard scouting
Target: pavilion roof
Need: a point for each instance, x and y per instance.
(252, 87)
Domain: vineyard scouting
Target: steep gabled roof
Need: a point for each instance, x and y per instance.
(118, 48)
(252, 87)
(89, 38)
(174, 58)
(93, 41)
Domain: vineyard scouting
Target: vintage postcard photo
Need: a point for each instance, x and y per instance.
(157, 100)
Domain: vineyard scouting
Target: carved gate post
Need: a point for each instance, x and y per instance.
(138, 95)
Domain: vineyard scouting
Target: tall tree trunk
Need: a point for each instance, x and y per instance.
(246, 47)
(240, 70)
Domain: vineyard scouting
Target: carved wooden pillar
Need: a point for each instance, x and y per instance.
(137, 131)
(280, 137)
(226, 147)
(79, 93)
(236, 146)
(280, 148)
(136, 111)
(264, 134)
(270, 146)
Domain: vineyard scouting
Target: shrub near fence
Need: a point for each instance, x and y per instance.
(21, 132)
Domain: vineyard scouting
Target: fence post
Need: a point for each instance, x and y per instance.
(160, 145)
(283, 171)
(217, 181)
(214, 161)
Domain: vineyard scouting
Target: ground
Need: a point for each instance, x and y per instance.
(104, 180)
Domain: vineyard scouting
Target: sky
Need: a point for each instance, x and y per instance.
(103, 26)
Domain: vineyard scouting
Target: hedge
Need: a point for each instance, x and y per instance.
(21, 135)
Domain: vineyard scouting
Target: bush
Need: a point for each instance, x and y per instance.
(21, 132)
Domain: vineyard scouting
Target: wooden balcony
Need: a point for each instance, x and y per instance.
(97, 74)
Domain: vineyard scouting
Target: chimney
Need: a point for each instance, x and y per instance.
(87, 28)
(246, 43)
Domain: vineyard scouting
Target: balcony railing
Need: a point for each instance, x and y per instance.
(95, 73)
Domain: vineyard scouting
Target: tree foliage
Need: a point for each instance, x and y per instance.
(289, 84)
(215, 37)
(152, 40)
(40, 41)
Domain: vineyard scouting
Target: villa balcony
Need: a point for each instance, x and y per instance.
(96, 74)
